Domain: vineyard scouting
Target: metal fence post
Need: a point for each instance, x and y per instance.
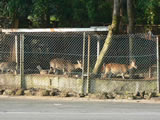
(83, 59)
(158, 76)
(22, 60)
(88, 65)
(16, 50)
(0, 45)
(130, 54)
(98, 46)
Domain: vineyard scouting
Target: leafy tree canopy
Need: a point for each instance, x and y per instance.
(71, 13)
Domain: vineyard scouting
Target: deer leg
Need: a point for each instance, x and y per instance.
(123, 75)
(69, 75)
(57, 71)
(103, 75)
(15, 72)
(50, 70)
(110, 75)
(64, 71)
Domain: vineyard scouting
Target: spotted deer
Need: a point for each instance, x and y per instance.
(70, 66)
(57, 64)
(8, 67)
(114, 68)
(65, 66)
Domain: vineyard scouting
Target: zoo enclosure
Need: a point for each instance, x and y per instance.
(32, 47)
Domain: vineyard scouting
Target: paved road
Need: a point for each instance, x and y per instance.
(34, 109)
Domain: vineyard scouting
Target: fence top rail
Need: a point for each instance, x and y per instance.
(92, 29)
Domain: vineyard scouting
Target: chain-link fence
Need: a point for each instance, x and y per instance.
(74, 54)
(122, 51)
(131, 57)
(52, 53)
(8, 50)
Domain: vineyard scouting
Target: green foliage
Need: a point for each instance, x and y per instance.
(99, 11)
(83, 13)
(80, 14)
(2, 7)
(74, 13)
(15, 9)
(41, 12)
(148, 11)
(64, 12)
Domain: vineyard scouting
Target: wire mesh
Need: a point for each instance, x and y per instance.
(131, 57)
(8, 56)
(61, 53)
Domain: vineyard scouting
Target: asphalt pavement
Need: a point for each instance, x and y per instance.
(50, 109)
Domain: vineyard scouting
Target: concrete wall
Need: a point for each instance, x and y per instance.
(41, 81)
(10, 80)
(50, 81)
(123, 86)
(75, 84)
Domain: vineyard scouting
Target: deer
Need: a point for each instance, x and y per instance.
(8, 67)
(57, 64)
(114, 68)
(66, 66)
(70, 66)
(41, 71)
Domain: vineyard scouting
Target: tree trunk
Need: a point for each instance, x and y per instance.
(47, 19)
(130, 11)
(122, 11)
(16, 23)
(113, 29)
